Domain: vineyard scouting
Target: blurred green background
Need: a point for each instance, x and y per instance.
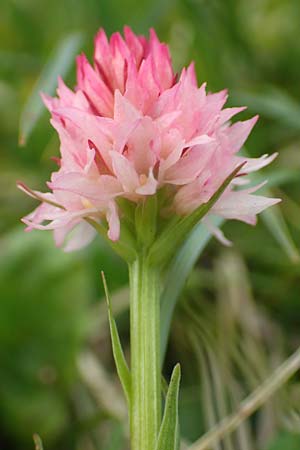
(239, 314)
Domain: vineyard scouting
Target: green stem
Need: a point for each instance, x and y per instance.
(145, 408)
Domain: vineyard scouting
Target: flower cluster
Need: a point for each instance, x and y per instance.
(133, 127)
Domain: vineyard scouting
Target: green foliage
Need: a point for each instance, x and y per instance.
(40, 334)
(58, 65)
(37, 442)
(120, 361)
(48, 299)
(168, 438)
(286, 440)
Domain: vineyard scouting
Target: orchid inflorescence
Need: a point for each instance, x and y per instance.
(133, 129)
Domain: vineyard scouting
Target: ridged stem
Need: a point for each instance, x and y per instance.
(145, 410)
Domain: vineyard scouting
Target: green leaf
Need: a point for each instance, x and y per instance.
(124, 246)
(120, 361)
(116, 437)
(37, 442)
(285, 440)
(168, 438)
(272, 217)
(191, 249)
(180, 268)
(58, 65)
(274, 220)
(173, 235)
(145, 220)
(272, 102)
(279, 177)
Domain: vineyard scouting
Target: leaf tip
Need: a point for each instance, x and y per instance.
(105, 288)
(21, 140)
(177, 371)
(37, 442)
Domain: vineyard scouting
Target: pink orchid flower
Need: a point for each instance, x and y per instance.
(131, 128)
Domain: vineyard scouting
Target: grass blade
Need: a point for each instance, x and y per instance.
(274, 220)
(37, 442)
(180, 268)
(59, 63)
(273, 103)
(119, 357)
(251, 403)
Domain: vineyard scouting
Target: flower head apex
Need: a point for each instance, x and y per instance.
(133, 129)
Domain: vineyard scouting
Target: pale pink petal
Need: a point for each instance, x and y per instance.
(149, 187)
(215, 231)
(254, 164)
(61, 219)
(199, 140)
(124, 172)
(143, 145)
(238, 133)
(61, 233)
(192, 195)
(91, 128)
(242, 206)
(124, 110)
(47, 197)
(43, 212)
(189, 165)
(113, 222)
(166, 120)
(171, 159)
(227, 113)
(81, 236)
(99, 190)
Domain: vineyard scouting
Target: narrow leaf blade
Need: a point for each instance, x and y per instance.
(273, 103)
(180, 268)
(120, 361)
(59, 64)
(37, 442)
(168, 438)
(274, 220)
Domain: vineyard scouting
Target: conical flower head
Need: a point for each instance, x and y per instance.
(133, 130)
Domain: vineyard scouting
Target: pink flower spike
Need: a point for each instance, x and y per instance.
(131, 130)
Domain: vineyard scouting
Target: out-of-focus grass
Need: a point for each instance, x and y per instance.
(47, 297)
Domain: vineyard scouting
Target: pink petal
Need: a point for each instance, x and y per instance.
(242, 206)
(217, 232)
(124, 172)
(228, 113)
(134, 44)
(162, 67)
(81, 236)
(100, 189)
(189, 165)
(124, 110)
(150, 187)
(254, 164)
(238, 133)
(113, 222)
(93, 86)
